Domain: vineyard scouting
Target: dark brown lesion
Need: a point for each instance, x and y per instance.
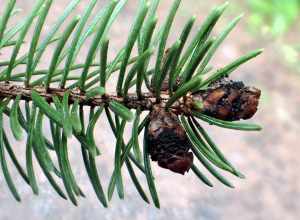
(168, 142)
(229, 100)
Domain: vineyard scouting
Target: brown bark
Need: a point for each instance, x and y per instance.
(225, 99)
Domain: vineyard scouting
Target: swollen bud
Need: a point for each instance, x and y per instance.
(168, 142)
(228, 100)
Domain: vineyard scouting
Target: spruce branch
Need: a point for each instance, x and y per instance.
(97, 97)
(179, 92)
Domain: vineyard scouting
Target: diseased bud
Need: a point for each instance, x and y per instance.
(228, 100)
(168, 142)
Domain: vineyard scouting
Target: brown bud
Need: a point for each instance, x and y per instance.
(168, 142)
(229, 100)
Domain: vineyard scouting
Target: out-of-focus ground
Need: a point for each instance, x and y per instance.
(269, 159)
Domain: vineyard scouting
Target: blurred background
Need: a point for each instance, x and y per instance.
(269, 159)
